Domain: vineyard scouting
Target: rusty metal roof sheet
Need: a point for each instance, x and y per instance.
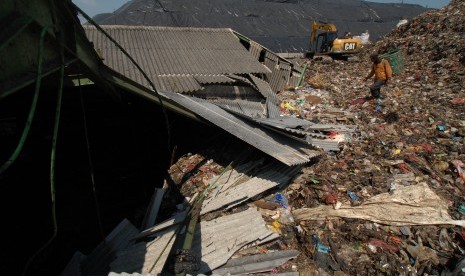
(177, 54)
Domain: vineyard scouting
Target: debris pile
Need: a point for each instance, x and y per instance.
(412, 138)
(391, 201)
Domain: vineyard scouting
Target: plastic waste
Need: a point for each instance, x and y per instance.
(286, 216)
(281, 199)
(319, 246)
(365, 37)
(322, 248)
(352, 196)
(461, 209)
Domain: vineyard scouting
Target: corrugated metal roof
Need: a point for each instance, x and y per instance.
(176, 83)
(327, 145)
(248, 108)
(220, 238)
(73, 268)
(287, 122)
(281, 71)
(99, 259)
(179, 53)
(207, 79)
(255, 49)
(229, 92)
(306, 133)
(257, 263)
(145, 257)
(278, 146)
(334, 127)
(271, 99)
(244, 80)
(234, 192)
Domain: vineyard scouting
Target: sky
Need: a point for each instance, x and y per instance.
(94, 7)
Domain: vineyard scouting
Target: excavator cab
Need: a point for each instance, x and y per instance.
(324, 40)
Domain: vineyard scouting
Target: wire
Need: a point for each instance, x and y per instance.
(138, 67)
(89, 157)
(52, 157)
(30, 117)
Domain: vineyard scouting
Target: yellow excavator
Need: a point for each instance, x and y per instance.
(324, 40)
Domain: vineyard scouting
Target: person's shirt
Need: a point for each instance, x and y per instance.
(382, 70)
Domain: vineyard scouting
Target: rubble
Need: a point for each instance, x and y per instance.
(391, 201)
(413, 137)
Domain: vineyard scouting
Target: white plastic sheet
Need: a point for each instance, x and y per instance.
(409, 205)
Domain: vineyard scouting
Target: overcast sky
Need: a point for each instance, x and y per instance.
(94, 7)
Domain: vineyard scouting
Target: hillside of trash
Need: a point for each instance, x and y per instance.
(391, 201)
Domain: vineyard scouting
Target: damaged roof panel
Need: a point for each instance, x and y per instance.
(207, 79)
(272, 101)
(248, 108)
(177, 83)
(219, 239)
(229, 197)
(288, 151)
(173, 51)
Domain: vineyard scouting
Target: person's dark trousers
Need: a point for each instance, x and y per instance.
(376, 87)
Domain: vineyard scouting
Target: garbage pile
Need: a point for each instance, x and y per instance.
(391, 201)
(413, 137)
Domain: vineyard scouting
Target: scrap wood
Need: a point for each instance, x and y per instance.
(409, 205)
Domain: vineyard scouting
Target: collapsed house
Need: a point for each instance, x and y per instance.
(215, 76)
(221, 77)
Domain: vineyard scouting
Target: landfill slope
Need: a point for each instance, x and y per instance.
(391, 202)
(281, 26)
(414, 136)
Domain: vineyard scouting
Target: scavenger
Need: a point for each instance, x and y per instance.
(382, 71)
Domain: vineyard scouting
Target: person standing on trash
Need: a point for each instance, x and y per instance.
(382, 71)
